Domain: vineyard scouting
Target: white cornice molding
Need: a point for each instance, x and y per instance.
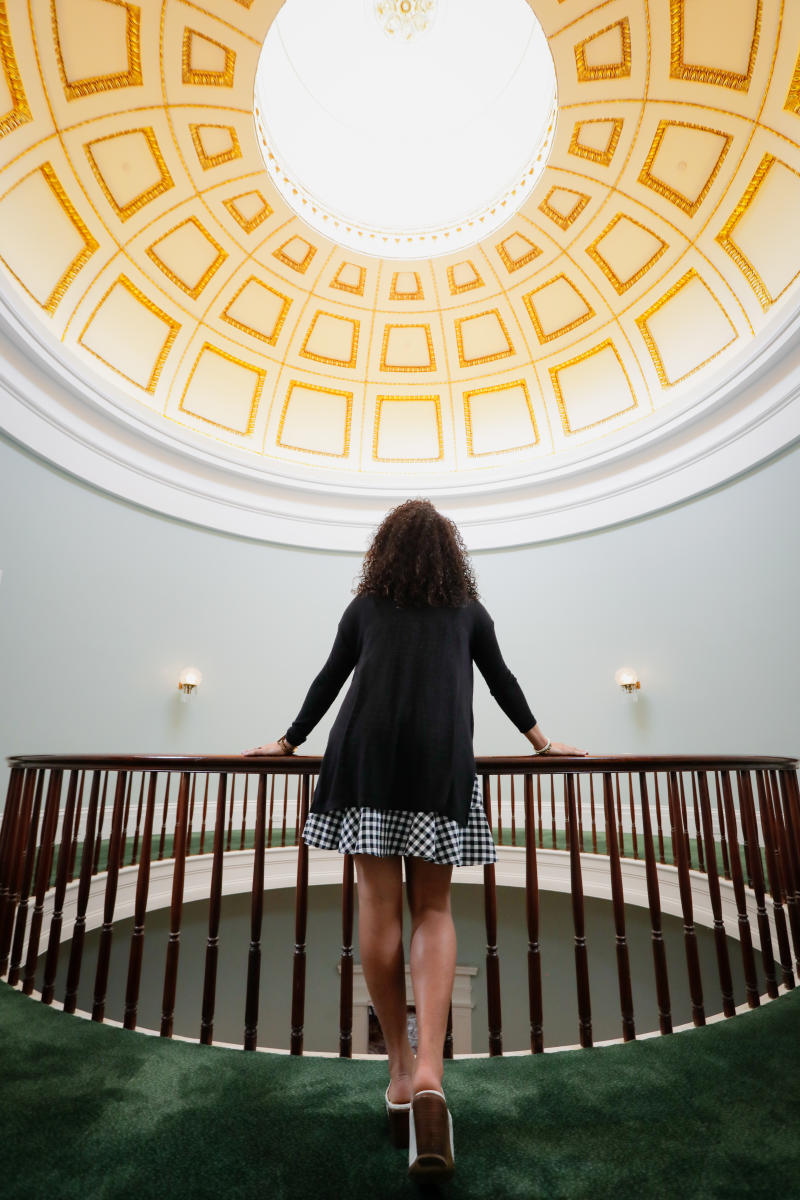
(56, 406)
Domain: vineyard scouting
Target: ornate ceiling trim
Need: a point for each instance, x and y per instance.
(52, 406)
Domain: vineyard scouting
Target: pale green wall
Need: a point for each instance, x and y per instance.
(102, 603)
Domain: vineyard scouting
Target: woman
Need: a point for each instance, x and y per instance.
(397, 781)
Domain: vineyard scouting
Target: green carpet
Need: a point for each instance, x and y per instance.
(89, 1111)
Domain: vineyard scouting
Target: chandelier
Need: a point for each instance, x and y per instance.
(402, 19)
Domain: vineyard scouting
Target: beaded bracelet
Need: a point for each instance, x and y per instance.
(545, 749)
(287, 749)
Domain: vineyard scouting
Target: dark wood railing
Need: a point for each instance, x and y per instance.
(77, 821)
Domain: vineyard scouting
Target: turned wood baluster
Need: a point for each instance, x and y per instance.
(745, 936)
(748, 866)
(673, 830)
(775, 878)
(619, 806)
(747, 809)
(271, 808)
(791, 807)
(633, 817)
(163, 835)
(499, 814)
(791, 856)
(539, 809)
(285, 807)
(492, 957)
(43, 866)
(346, 963)
(230, 817)
(191, 817)
(256, 920)
(112, 875)
(300, 925)
(659, 824)
(618, 902)
(532, 917)
(140, 905)
(580, 812)
(677, 812)
(513, 815)
(578, 920)
(100, 822)
(214, 912)
(176, 908)
(75, 830)
(720, 940)
(685, 821)
(25, 879)
(84, 884)
(54, 940)
(654, 902)
(787, 870)
(723, 841)
(7, 831)
(244, 812)
(697, 825)
(297, 805)
(594, 815)
(553, 811)
(137, 830)
(125, 820)
(567, 824)
(202, 847)
(15, 824)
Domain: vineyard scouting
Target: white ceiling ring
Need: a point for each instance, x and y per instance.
(405, 148)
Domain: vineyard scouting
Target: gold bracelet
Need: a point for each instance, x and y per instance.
(287, 749)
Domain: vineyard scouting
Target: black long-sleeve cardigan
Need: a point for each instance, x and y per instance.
(402, 738)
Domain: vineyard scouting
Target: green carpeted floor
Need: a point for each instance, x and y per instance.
(89, 1111)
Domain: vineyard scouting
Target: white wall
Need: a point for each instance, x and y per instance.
(102, 603)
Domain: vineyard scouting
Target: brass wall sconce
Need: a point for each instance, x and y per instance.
(190, 679)
(628, 680)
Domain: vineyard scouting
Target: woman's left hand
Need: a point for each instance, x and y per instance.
(269, 748)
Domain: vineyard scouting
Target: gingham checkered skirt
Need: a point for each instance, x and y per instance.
(425, 835)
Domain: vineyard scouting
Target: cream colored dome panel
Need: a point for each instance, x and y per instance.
(143, 238)
(685, 329)
(316, 420)
(149, 334)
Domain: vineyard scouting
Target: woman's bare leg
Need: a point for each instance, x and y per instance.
(433, 964)
(380, 935)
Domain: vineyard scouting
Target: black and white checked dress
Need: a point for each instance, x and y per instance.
(388, 832)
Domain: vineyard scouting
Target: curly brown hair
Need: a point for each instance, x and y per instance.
(417, 557)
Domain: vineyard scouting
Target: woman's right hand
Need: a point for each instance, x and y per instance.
(561, 748)
(539, 740)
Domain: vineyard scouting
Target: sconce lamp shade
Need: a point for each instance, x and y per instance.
(627, 679)
(189, 680)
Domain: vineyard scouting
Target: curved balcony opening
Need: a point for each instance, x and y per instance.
(469, 1005)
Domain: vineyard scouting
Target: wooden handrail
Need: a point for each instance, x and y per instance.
(491, 764)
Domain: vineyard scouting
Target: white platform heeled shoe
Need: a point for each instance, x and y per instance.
(430, 1140)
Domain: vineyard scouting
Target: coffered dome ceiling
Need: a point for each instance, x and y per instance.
(156, 274)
